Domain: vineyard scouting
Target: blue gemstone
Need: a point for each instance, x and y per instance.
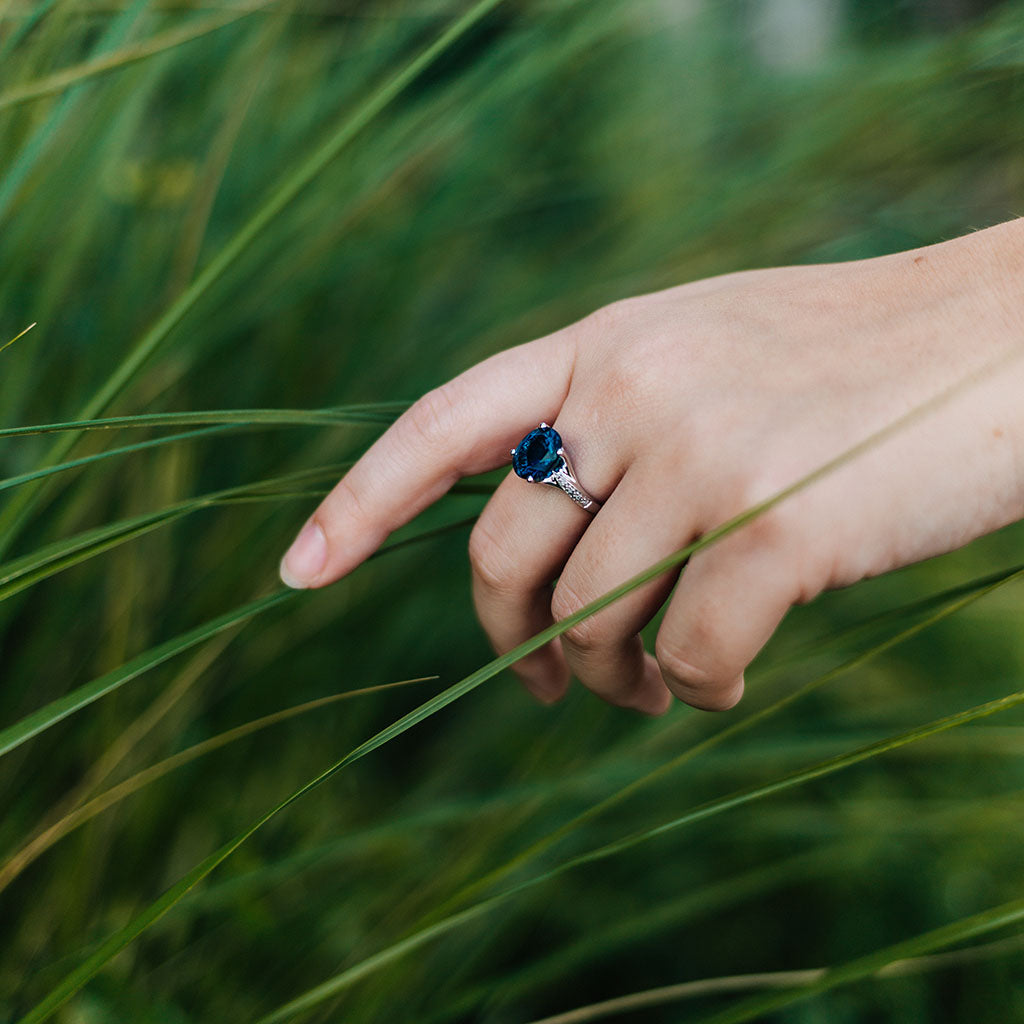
(537, 454)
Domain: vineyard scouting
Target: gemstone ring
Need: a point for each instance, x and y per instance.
(540, 459)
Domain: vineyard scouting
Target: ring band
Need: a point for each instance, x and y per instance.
(540, 458)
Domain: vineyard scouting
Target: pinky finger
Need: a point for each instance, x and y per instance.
(728, 603)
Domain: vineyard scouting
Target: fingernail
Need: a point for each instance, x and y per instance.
(306, 558)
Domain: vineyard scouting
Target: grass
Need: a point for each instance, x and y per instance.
(267, 227)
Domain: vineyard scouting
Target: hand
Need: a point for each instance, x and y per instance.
(683, 408)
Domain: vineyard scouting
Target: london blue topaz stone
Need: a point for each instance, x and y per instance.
(536, 456)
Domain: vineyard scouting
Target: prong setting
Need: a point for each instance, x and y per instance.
(541, 458)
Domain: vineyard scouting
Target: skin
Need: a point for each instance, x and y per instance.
(682, 409)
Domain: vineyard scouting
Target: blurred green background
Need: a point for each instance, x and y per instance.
(556, 156)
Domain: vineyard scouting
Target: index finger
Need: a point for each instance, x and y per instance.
(465, 426)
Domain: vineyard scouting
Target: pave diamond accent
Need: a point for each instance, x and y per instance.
(565, 482)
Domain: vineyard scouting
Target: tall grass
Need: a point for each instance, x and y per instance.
(248, 234)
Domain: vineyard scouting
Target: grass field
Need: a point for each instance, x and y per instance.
(288, 219)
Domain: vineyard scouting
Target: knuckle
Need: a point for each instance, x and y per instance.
(675, 661)
(771, 529)
(352, 503)
(697, 686)
(776, 526)
(627, 383)
(491, 569)
(583, 635)
(434, 417)
(610, 318)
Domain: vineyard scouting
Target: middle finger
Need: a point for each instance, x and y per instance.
(636, 528)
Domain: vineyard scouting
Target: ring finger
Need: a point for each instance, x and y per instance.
(519, 545)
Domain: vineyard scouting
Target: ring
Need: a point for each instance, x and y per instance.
(540, 459)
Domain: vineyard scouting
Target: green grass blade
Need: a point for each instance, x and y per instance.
(39, 474)
(8, 344)
(379, 412)
(113, 61)
(350, 126)
(704, 987)
(32, 725)
(31, 568)
(25, 572)
(966, 928)
(788, 781)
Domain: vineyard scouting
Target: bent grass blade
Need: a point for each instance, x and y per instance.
(966, 928)
(704, 987)
(222, 421)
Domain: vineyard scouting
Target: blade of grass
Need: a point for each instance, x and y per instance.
(31, 568)
(698, 903)
(8, 344)
(225, 422)
(85, 460)
(798, 777)
(332, 986)
(23, 857)
(294, 183)
(704, 987)
(377, 412)
(864, 967)
(909, 610)
(58, 81)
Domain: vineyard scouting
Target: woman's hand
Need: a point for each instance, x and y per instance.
(682, 409)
